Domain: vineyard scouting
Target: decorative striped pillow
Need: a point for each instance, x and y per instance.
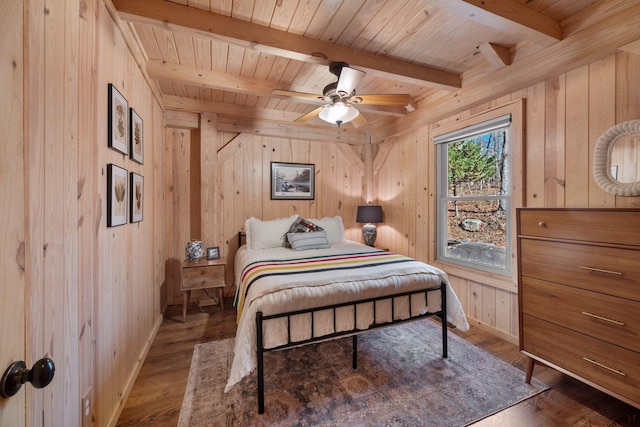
(300, 225)
(310, 240)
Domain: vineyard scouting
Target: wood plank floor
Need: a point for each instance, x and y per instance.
(157, 395)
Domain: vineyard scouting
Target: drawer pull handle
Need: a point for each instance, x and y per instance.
(599, 270)
(615, 322)
(605, 366)
(542, 224)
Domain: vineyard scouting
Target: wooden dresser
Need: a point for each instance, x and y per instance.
(579, 295)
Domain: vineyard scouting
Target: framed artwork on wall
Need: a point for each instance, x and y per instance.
(292, 181)
(118, 128)
(137, 197)
(116, 195)
(136, 138)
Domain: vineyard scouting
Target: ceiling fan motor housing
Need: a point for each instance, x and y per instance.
(330, 91)
(335, 68)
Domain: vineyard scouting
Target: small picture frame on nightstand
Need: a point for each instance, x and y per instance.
(213, 252)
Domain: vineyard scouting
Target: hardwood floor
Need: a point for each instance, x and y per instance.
(157, 395)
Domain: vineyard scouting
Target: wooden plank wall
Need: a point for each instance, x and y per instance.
(129, 258)
(236, 185)
(565, 116)
(93, 292)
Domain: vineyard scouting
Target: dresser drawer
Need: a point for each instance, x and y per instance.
(602, 269)
(594, 225)
(203, 277)
(605, 317)
(609, 366)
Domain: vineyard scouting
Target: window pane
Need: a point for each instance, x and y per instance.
(474, 196)
(478, 166)
(476, 232)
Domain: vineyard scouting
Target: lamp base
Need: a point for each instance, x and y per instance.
(369, 234)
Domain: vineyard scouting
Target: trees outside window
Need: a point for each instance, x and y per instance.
(474, 196)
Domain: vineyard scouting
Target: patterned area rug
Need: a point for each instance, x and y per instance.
(401, 380)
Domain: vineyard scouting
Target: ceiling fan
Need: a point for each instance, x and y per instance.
(341, 97)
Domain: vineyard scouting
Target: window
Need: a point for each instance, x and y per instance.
(474, 197)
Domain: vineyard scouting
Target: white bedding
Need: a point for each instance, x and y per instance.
(273, 295)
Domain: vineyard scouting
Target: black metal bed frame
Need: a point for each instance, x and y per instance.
(354, 332)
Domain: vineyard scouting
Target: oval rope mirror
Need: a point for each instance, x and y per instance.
(602, 160)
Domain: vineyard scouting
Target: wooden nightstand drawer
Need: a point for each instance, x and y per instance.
(602, 269)
(584, 225)
(203, 276)
(605, 365)
(605, 317)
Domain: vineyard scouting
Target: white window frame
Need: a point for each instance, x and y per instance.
(506, 279)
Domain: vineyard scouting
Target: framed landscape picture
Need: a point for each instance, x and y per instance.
(116, 195)
(118, 126)
(292, 181)
(213, 252)
(136, 137)
(137, 197)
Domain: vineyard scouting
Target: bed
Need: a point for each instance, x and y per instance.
(324, 288)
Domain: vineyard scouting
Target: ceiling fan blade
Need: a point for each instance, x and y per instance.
(349, 79)
(309, 115)
(299, 95)
(394, 99)
(358, 121)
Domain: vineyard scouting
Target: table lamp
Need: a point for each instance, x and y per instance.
(369, 215)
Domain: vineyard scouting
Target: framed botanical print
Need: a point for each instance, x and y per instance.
(136, 191)
(116, 195)
(136, 137)
(292, 181)
(118, 127)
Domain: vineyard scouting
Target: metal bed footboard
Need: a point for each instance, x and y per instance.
(353, 332)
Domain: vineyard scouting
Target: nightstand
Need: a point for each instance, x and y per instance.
(202, 274)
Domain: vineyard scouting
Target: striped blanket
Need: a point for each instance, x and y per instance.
(315, 270)
(278, 280)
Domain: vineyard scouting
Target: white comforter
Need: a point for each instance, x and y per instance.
(274, 295)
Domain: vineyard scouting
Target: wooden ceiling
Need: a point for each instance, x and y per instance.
(228, 56)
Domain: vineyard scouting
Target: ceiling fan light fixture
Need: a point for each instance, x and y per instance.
(338, 113)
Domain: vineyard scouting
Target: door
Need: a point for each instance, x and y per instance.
(12, 205)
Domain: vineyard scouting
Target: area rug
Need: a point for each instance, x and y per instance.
(401, 380)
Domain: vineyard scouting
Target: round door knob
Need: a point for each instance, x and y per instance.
(40, 375)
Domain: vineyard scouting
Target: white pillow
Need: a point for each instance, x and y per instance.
(267, 234)
(308, 240)
(334, 228)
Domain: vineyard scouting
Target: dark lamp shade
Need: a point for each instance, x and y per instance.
(369, 214)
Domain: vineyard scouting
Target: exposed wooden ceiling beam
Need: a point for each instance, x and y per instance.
(497, 56)
(246, 85)
(181, 119)
(633, 47)
(201, 23)
(582, 47)
(241, 119)
(180, 103)
(292, 130)
(507, 16)
(211, 79)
